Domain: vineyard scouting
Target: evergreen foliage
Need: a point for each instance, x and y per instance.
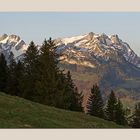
(95, 103)
(30, 72)
(120, 114)
(115, 111)
(39, 78)
(53, 86)
(72, 97)
(3, 73)
(111, 107)
(46, 85)
(19, 75)
(136, 117)
(11, 87)
(15, 75)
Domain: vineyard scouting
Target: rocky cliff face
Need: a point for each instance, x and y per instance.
(92, 58)
(12, 43)
(92, 50)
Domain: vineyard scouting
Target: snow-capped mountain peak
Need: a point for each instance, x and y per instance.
(12, 43)
(86, 48)
(72, 39)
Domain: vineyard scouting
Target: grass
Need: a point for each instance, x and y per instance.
(16, 112)
(84, 77)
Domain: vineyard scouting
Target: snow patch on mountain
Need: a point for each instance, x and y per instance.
(72, 39)
(87, 50)
(12, 43)
(101, 46)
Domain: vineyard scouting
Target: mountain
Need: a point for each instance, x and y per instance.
(102, 59)
(12, 43)
(92, 50)
(88, 50)
(92, 58)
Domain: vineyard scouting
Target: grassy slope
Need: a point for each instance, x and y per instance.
(16, 112)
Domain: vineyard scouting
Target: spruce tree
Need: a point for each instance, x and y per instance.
(111, 107)
(30, 71)
(48, 71)
(53, 86)
(95, 103)
(136, 117)
(3, 73)
(120, 114)
(73, 98)
(115, 111)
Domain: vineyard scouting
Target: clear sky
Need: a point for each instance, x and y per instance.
(37, 26)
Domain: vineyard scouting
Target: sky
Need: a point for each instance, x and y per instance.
(37, 26)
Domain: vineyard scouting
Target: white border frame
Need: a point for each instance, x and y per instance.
(69, 6)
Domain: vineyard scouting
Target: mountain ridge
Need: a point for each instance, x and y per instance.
(91, 58)
(99, 46)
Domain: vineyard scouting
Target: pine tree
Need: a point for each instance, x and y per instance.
(111, 107)
(120, 114)
(3, 73)
(95, 103)
(136, 117)
(30, 71)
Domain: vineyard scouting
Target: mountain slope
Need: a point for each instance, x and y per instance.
(16, 112)
(105, 60)
(92, 58)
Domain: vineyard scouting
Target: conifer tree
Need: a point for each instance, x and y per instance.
(136, 117)
(54, 87)
(72, 97)
(111, 107)
(3, 73)
(15, 76)
(120, 114)
(115, 111)
(12, 79)
(48, 71)
(95, 103)
(30, 71)
(19, 75)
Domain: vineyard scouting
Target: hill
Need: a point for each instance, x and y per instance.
(16, 112)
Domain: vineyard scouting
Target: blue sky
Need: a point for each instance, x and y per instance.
(40, 25)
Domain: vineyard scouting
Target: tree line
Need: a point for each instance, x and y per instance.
(113, 110)
(38, 78)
